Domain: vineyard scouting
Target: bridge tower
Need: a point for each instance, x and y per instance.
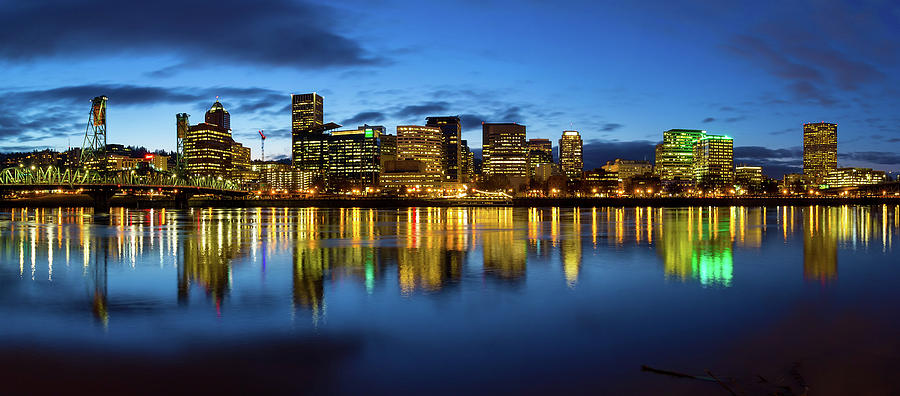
(182, 122)
(93, 150)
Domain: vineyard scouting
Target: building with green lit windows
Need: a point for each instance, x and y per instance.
(675, 155)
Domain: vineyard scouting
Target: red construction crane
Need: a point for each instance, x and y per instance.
(263, 144)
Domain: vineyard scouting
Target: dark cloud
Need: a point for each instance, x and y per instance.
(783, 131)
(708, 120)
(823, 50)
(364, 117)
(422, 110)
(471, 121)
(266, 32)
(759, 152)
(735, 119)
(609, 127)
(874, 157)
(63, 111)
(894, 140)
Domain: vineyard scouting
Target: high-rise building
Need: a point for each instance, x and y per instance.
(713, 162)
(466, 165)
(540, 151)
(421, 143)
(503, 149)
(451, 131)
(353, 158)
(307, 129)
(208, 150)
(571, 160)
(217, 115)
(675, 155)
(388, 148)
(819, 151)
(240, 171)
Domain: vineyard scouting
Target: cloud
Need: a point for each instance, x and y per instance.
(288, 33)
(822, 50)
(735, 119)
(364, 117)
(759, 152)
(609, 127)
(61, 111)
(873, 157)
(707, 120)
(421, 110)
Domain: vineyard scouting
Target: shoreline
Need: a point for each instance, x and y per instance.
(61, 200)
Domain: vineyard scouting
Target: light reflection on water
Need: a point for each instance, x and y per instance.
(135, 274)
(425, 248)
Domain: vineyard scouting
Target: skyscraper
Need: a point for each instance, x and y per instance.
(503, 149)
(713, 162)
(208, 150)
(571, 161)
(307, 140)
(217, 115)
(353, 158)
(465, 162)
(819, 151)
(675, 155)
(451, 131)
(421, 143)
(540, 151)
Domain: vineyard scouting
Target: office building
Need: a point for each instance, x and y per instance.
(409, 176)
(819, 151)
(540, 151)
(713, 162)
(208, 150)
(353, 158)
(467, 162)
(307, 128)
(626, 169)
(421, 143)
(571, 162)
(388, 148)
(748, 177)
(675, 155)
(504, 152)
(852, 177)
(240, 171)
(451, 131)
(217, 115)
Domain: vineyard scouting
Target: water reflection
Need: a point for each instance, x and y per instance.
(415, 250)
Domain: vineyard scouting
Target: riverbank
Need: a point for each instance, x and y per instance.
(69, 200)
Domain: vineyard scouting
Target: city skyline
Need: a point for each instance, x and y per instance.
(757, 82)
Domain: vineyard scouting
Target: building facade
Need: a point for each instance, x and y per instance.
(713, 162)
(852, 177)
(353, 158)
(451, 131)
(540, 151)
(308, 143)
(748, 177)
(675, 155)
(208, 150)
(504, 152)
(625, 169)
(571, 161)
(819, 151)
(422, 143)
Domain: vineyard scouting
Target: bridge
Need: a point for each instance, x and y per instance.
(93, 177)
(101, 186)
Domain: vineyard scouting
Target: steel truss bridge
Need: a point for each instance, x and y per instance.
(102, 185)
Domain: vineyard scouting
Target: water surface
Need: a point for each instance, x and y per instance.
(448, 300)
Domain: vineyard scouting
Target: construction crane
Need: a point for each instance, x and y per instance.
(262, 144)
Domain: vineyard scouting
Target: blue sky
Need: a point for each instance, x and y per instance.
(619, 72)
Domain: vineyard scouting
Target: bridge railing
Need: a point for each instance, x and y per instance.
(72, 177)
